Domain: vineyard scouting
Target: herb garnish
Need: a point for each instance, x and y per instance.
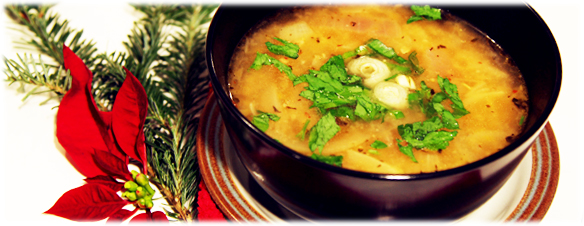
(424, 12)
(325, 129)
(378, 144)
(262, 120)
(265, 59)
(288, 49)
(434, 133)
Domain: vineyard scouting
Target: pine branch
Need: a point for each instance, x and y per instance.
(45, 77)
(168, 58)
(46, 34)
(166, 53)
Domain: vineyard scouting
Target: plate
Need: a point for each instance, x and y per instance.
(526, 196)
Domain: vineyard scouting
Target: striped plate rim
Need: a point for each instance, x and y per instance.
(235, 203)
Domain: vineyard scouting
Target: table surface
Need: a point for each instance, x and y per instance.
(34, 172)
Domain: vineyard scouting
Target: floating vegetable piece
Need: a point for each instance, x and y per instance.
(405, 81)
(391, 94)
(370, 69)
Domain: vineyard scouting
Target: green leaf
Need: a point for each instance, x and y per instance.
(264, 59)
(438, 140)
(332, 160)
(413, 59)
(424, 12)
(379, 47)
(407, 150)
(378, 144)
(452, 91)
(302, 132)
(375, 152)
(325, 129)
(262, 120)
(288, 49)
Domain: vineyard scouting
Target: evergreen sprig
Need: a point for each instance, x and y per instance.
(165, 51)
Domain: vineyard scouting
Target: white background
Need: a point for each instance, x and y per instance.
(34, 172)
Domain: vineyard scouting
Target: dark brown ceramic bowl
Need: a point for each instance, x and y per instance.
(316, 190)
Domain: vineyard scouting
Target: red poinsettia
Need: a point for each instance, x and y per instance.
(99, 145)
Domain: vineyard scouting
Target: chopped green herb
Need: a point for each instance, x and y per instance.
(397, 114)
(424, 12)
(397, 70)
(385, 51)
(375, 152)
(378, 145)
(322, 132)
(522, 120)
(332, 160)
(407, 150)
(413, 59)
(452, 92)
(288, 49)
(264, 59)
(262, 120)
(438, 140)
(367, 110)
(302, 133)
(361, 50)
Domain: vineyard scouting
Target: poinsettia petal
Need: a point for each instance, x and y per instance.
(90, 202)
(112, 165)
(158, 217)
(121, 215)
(79, 125)
(128, 116)
(207, 209)
(107, 181)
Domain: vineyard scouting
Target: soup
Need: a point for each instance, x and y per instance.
(397, 79)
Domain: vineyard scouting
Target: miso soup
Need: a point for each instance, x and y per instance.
(361, 88)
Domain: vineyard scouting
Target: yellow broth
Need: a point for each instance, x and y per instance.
(487, 84)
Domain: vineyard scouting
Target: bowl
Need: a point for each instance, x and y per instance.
(314, 190)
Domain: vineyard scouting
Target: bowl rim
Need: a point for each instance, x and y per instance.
(528, 135)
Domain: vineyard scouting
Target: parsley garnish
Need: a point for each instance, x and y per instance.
(302, 133)
(262, 120)
(325, 129)
(432, 134)
(332, 160)
(385, 51)
(288, 49)
(322, 132)
(264, 59)
(378, 145)
(424, 12)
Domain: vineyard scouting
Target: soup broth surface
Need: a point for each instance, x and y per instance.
(490, 87)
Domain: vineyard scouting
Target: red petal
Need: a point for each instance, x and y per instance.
(128, 116)
(112, 165)
(108, 181)
(158, 217)
(90, 202)
(121, 215)
(207, 209)
(81, 127)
